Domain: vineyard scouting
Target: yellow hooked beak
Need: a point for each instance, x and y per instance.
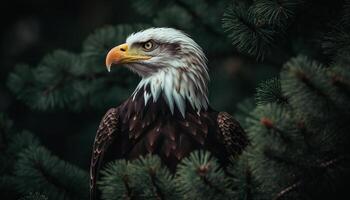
(121, 54)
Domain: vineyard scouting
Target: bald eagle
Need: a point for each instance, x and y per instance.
(168, 114)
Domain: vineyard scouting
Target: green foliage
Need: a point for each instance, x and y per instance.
(63, 80)
(8, 156)
(273, 136)
(115, 183)
(22, 140)
(255, 27)
(276, 12)
(248, 34)
(157, 180)
(339, 76)
(145, 178)
(198, 177)
(28, 168)
(242, 179)
(271, 124)
(21, 83)
(52, 84)
(12, 142)
(346, 13)
(302, 143)
(337, 40)
(269, 92)
(306, 83)
(176, 16)
(38, 170)
(147, 7)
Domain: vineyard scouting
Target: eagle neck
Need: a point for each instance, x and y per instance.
(178, 87)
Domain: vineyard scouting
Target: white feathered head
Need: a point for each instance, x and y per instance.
(169, 62)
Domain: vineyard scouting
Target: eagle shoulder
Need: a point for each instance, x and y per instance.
(106, 131)
(231, 134)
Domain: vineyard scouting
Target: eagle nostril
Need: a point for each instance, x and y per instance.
(122, 49)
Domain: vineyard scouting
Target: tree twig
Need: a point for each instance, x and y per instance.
(292, 187)
(287, 190)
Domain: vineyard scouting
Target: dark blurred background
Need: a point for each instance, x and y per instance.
(55, 89)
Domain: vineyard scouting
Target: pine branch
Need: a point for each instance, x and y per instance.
(128, 193)
(254, 29)
(158, 190)
(306, 84)
(243, 178)
(38, 170)
(273, 125)
(249, 34)
(152, 179)
(270, 125)
(277, 12)
(282, 159)
(199, 176)
(67, 80)
(270, 91)
(116, 182)
(202, 171)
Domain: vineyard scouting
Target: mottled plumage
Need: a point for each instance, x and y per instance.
(169, 113)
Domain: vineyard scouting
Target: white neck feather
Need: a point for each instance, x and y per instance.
(177, 70)
(177, 85)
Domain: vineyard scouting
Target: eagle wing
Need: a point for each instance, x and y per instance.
(231, 133)
(107, 130)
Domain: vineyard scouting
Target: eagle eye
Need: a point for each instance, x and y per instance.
(148, 46)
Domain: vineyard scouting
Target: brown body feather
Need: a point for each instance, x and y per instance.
(135, 129)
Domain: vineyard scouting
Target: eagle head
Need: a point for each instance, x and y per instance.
(171, 65)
